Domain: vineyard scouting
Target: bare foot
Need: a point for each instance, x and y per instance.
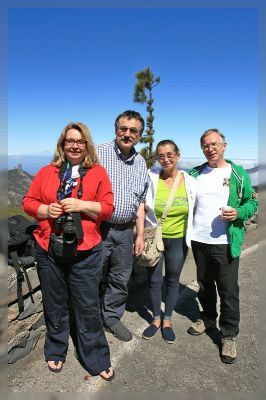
(157, 323)
(108, 374)
(55, 366)
(167, 323)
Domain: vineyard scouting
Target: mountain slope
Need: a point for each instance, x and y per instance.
(18, 185)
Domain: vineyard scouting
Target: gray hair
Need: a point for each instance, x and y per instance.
(208, 132)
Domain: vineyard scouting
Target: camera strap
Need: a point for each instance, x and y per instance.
(77, 221)
(82, 173)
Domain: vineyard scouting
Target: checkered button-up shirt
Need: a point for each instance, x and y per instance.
(129, 180)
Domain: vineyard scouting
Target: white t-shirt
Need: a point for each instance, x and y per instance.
(212, 192)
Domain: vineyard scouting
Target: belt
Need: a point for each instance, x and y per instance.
(120, 227)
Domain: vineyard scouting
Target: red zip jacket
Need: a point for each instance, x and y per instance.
(96, 187)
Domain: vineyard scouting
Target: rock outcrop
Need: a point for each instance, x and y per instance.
(24, 329)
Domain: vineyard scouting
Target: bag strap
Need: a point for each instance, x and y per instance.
(20, 279)
(20, 271)
(170, 198)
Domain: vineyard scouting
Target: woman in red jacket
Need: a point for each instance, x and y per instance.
(70, 198)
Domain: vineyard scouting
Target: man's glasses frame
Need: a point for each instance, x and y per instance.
(124, 129)
(213, 145)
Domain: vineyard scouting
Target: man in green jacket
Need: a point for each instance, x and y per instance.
(224, 200)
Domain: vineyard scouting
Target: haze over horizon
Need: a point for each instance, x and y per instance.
(32, 163)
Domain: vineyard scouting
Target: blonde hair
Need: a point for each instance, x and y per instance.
(91, 156)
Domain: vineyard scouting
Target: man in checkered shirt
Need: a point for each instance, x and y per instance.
(128, 173)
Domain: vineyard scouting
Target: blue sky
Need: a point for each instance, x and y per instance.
(79, 65)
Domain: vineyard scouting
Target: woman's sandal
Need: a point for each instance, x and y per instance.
(110, 378)
(56, 370)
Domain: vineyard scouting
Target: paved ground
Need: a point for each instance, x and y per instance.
(191, 364)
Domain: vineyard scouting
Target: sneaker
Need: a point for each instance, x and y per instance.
(199, 327)
(168, 334)
(120, 331)
(228, 355)
(149, 332)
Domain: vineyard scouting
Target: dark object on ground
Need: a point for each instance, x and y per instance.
(21, 252)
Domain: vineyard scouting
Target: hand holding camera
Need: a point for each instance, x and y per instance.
(55, 210)
(71, 204)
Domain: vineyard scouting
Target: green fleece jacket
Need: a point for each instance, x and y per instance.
(242, 197)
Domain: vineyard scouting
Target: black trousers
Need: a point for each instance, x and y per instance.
(217, 269)
(79, 279)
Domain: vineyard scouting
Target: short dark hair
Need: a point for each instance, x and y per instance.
(166, 142)
(208, 132)
(131, 114)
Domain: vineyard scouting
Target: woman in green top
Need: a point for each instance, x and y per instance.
(175, 231)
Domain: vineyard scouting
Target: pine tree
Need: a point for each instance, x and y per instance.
(146, 81)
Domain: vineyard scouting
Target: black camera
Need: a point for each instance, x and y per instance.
(65, 224)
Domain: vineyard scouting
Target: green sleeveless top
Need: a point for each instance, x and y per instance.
(175, 224)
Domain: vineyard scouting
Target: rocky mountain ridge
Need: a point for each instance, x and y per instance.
(18, 184)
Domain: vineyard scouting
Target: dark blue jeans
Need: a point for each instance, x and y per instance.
(175, 251)
(77, 278)
(216, 268)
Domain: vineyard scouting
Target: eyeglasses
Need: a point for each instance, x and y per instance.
(169, 156)
(79, 142)
(213, 145)
(124, 129)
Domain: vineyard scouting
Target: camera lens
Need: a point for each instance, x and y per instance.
(69, 232)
